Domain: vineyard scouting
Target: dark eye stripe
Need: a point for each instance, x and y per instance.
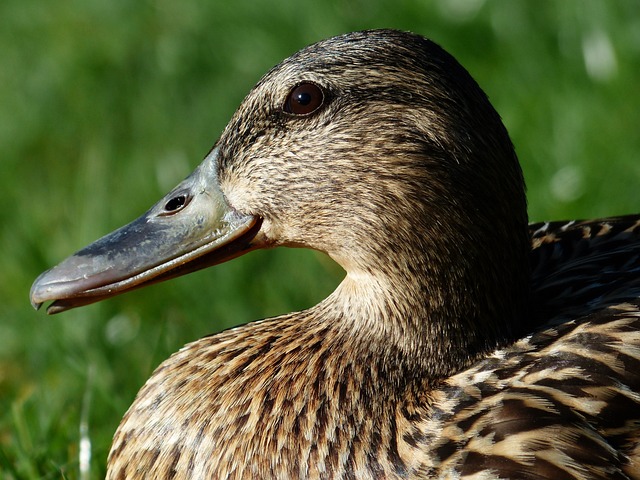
(304, 99)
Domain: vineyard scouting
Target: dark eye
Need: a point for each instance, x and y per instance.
(176, 204)
(304, 99)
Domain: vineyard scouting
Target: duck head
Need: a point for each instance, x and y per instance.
(375, 147)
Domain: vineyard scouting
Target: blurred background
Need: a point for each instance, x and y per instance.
(106, 105)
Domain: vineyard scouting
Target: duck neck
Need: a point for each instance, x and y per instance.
(434, 319)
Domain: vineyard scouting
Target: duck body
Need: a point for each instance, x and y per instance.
(539, 409)
(462, 342)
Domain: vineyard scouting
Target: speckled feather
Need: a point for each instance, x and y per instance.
(461, 344)
(290, 398)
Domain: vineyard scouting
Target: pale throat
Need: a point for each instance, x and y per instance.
(428, 326)
(371, 305)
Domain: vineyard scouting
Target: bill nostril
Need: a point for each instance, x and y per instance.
(176, 204)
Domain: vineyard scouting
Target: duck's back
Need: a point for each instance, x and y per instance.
(563, 402)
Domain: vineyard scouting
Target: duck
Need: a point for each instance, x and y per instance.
(462, 343)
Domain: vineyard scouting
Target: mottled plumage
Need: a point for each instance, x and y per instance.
(461, 343)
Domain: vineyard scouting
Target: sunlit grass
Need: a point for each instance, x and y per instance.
(107, 105)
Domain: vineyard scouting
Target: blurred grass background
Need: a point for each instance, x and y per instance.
(106, 105)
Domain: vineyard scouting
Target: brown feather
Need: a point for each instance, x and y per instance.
(461, 344)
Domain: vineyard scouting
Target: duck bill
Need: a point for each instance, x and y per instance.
(191, 228)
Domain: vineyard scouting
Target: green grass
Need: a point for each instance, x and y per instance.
(105, 105)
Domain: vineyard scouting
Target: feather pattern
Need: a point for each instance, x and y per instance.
(561, 403)
(460, 345)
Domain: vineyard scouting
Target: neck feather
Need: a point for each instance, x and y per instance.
(437, 314)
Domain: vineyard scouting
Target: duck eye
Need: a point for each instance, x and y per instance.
(176, 204)
(304, 99)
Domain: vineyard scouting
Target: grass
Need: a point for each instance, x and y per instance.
(106, 105)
